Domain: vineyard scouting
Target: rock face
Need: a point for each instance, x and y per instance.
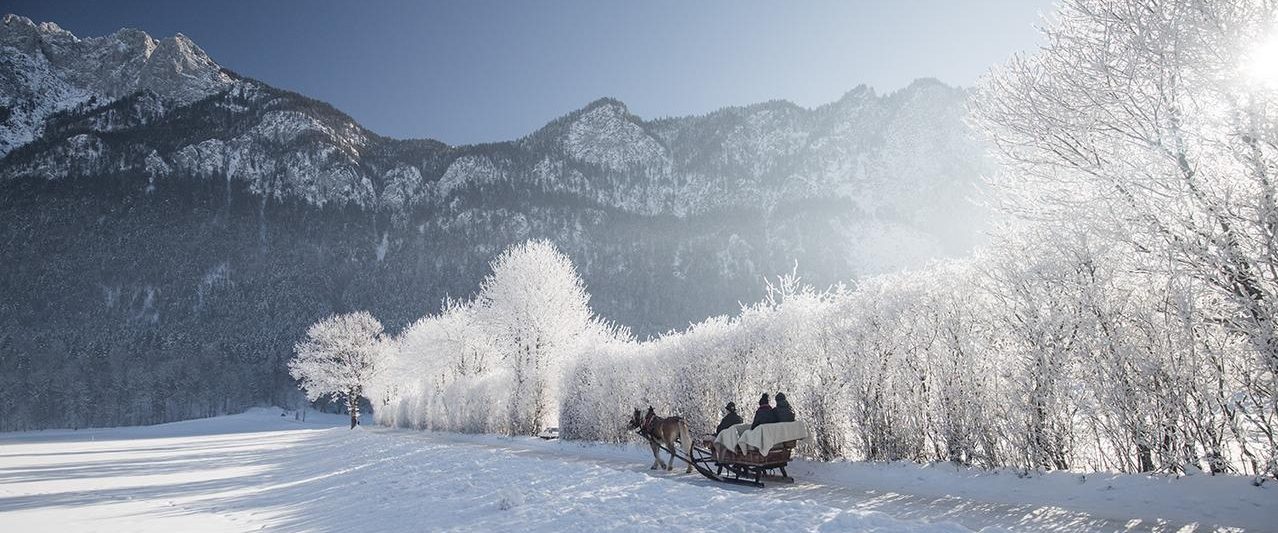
(165, 212)
(46, 69)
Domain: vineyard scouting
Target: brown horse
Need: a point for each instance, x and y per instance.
(665, 431)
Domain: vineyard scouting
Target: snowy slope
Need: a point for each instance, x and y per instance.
(258, 471)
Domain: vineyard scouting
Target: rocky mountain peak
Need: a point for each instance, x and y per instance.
(179, 56)
(136, 41)
(128, 61)
(23, 33)
(607, 104)
(858, 93)
(606, 134)
(927, 83)
(45, 69)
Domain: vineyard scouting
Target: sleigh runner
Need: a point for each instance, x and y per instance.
(736, 455)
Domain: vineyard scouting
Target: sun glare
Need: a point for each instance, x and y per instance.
(1261, 64)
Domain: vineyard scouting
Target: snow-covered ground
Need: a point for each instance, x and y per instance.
(976, 498)
(261, 471)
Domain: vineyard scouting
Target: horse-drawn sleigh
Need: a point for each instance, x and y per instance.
(737, 454)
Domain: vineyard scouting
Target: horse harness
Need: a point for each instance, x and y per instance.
(650, 422)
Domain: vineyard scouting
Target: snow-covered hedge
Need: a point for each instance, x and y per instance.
(1045, 359)
(1042, 352)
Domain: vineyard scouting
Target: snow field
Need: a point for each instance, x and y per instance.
(260, 471)
(988, 500)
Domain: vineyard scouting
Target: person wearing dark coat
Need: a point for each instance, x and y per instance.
(765, 414)
(783, 410)
(730, 419)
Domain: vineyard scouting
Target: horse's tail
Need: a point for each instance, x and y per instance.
(685, 438)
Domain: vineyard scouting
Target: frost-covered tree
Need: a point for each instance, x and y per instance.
(340, 357)
(1142, 118)
(441, 361)
(497, 363)
(537, 310)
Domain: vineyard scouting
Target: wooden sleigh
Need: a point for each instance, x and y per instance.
(749, 467)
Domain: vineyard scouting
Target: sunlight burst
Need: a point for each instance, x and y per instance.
(1261, 64)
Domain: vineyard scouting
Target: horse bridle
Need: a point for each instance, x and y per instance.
(645, 426)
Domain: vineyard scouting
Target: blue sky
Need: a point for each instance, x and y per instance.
(478, 70)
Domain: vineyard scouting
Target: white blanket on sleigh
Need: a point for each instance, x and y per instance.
(763, 438)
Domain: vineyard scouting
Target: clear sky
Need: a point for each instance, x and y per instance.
(469, 71)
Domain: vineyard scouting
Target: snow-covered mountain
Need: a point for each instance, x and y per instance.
(146, 188)
(94, 101)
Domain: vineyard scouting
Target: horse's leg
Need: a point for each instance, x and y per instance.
(687, 445)
(671, 445)
(656, 457)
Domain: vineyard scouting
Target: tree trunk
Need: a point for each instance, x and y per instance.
(352, 407)
(1145, 457)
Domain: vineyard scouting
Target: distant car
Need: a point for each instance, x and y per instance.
(549, 433)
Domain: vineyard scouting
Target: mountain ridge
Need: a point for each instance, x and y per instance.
(603, 134)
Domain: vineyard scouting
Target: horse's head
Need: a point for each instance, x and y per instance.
(636, 421)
